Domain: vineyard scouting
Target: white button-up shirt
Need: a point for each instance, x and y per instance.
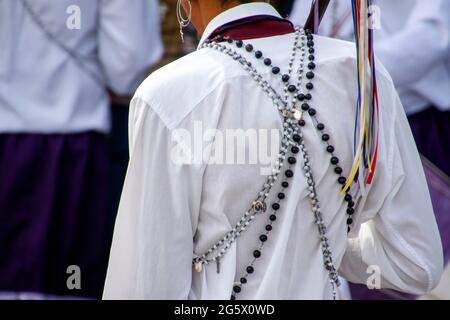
(43, 90)
(412, 39)
(170, 212)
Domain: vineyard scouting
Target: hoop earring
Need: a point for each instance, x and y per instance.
(184, 22)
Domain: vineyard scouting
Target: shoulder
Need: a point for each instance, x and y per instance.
(341, 55)
(174, 90)
(330, 49)
(337, 60)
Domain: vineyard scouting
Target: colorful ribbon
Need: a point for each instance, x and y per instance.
(367, 108)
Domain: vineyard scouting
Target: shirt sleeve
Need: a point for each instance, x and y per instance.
(413, 51)
(129, 42)
(398, 235)
(152, 250)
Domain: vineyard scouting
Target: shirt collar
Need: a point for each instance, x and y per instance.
(237, 13)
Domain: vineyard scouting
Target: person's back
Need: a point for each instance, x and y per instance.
(202, 131)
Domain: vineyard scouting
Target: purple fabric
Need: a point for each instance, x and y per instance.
(53, 212)
(431, 130)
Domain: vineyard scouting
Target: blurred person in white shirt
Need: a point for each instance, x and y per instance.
(58, 61)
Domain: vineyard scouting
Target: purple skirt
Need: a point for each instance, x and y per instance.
(431, 130)
(54, 212)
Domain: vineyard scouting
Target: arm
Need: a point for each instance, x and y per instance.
(129, 42)
(425, 40)
(151, 255)
(398, 232)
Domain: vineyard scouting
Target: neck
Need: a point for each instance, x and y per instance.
(206, 10)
